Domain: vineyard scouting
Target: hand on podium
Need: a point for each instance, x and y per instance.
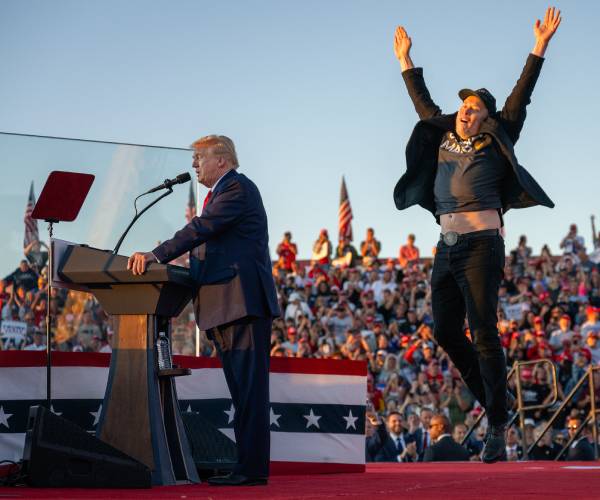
(139, 260)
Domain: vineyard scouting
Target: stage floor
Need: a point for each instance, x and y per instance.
(569, 480)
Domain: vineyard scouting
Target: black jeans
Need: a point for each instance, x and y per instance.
(465, 280)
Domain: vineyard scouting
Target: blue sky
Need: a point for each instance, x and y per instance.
(309, 91)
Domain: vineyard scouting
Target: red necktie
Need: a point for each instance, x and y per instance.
(206, 200)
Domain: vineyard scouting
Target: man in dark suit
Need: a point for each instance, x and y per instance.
(391, 445)
(236, 299)
(444, 448)
(580, 450)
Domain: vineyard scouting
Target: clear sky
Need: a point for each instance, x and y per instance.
(309, 91)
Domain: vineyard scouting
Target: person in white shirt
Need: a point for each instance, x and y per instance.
(564, 333)
(38, 344)
(384, 283)
(297, 307)
(572, 242)
(591, 324)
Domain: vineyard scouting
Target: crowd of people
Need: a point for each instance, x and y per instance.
(350, 303)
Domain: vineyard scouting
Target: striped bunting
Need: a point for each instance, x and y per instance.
(317, 406)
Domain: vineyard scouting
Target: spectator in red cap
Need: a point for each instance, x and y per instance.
(291, 343)
(540, 349)
(538, 327)
(592, 345)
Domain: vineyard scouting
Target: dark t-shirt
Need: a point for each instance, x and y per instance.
(469, 175)
(27, 279)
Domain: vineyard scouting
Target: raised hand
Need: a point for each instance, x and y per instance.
(402, 42)
(545, 31)
(402, 45)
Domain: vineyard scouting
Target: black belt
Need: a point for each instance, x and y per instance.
(451, 238)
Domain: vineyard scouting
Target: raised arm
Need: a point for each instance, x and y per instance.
(402, 45)
(544, 32)
(413, 77)
(513, 113)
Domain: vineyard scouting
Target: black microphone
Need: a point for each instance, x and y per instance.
(180, 179)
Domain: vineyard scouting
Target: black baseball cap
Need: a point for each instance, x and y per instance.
(484, 94)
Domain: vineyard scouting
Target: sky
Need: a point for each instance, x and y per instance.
(309, 91)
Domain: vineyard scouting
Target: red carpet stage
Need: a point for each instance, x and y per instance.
(429, 481)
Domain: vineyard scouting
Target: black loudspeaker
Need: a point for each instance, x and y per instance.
(211, 449)
(59, 453)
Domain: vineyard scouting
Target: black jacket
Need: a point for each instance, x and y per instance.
(543, 452)
(520, 190)
(582, 451)
(446, 450)
(234, 269)
(382, 448)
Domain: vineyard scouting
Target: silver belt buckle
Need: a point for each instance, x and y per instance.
(450, 238)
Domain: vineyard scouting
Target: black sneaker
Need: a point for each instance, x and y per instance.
(495, 444)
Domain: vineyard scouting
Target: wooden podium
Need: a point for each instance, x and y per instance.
(140, 412)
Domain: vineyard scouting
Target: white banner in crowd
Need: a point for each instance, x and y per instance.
(13, 332)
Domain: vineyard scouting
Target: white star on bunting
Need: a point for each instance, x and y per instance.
(312, 419)
(96, 415)
(189, 409)
(230, 413)
(350, 421)
(4, 417)
(274, 418)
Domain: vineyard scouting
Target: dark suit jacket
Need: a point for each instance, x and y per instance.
(382, 448)
(233, 269)
(519, 190)
(446, 450)
(583, 451)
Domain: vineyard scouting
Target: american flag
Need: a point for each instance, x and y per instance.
(190, 210)
(31, 226)
(345, 214)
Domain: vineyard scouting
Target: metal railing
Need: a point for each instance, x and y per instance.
(520, 413)
(522, 409)
(592, 415)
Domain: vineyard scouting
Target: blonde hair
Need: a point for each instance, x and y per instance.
(220, 145)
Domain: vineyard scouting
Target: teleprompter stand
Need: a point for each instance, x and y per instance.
(60, 201)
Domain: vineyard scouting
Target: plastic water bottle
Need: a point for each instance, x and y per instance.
(163, 349)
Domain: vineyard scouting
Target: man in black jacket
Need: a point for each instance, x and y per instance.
(463, 169)
(390, 443)
(236, 299)
(580, 450)
(444, 448)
